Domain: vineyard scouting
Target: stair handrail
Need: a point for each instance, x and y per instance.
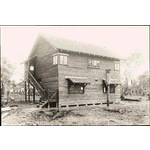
(53, 95)
(35, 81)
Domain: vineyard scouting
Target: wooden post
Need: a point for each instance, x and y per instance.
(28, 91)
(57, 97)
(33, 94)
(108, 95)
(25, 90)
(108, 84)
(28, 83)
(48, 104)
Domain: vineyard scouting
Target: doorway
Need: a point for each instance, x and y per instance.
(32, 67)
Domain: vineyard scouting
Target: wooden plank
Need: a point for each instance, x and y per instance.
(33, 94)
(104, 62)
(49, 79)
(25, 89)
(108, 97)
(83, 102)
(28, 92)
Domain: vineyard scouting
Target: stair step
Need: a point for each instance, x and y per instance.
(43, 104)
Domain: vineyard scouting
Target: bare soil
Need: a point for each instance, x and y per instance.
(123, 113)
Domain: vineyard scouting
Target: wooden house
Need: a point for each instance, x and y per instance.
(70, 73)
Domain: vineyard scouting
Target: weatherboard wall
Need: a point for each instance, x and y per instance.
(78, 67)
(53, 76)
(45, 70)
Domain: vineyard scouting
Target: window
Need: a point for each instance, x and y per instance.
(31, 68)
(117, 66)
(76, 89)
(54, 60)
(63, 60)
(60, 58)
(112, 88)
(93, 63)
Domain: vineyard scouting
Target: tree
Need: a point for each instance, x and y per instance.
(144, 80)
(7, 70)
(130, 65)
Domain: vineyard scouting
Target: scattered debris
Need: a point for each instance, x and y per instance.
(122, 97)
(119, 110)
(123, 113)
(41, 111)
(4, 115)
(38, 105)
(14, 105)
(31, 124)
(5, 109)
(50, 114)
(132, 99)
(122, 110)
(111, 120)
(12, 99)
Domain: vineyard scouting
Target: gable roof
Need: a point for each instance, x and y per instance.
(78, 46)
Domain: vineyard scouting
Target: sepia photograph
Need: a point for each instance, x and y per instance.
(75, 75)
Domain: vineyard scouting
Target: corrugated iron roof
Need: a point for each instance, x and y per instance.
(111, 81)
(114, 81)
(78, 46)
(79, 80)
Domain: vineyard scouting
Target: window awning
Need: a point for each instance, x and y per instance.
(78, 80)
(111, 81)
(114, 81)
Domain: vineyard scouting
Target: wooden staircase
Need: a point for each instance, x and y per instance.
(50, 100)
(37, 85)
(47, 96)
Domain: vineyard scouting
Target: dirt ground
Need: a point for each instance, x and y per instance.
(123, 113)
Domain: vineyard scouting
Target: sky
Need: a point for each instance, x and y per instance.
(17, 42)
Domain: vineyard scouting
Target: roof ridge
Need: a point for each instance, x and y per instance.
(73, 40)
(48, 42)
(79, 46)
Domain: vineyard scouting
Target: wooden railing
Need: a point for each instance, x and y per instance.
(45, 93)
(30, 75)
(34, 82)
(50, 93)
(50, 100)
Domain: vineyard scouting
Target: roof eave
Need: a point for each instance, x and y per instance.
(91, 54)
(28, 59)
